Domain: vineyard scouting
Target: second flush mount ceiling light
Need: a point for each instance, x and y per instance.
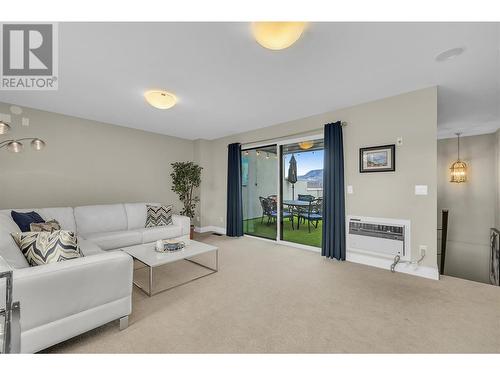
(277, 35)
(160, 99)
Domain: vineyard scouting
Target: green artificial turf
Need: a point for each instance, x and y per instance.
(302, 235)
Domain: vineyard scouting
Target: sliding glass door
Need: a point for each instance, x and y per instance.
(282, 189)
(301, 183)
(259, 191)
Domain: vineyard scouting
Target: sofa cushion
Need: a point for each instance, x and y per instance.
(9, 251)
(160, 233)
(64, 215)
(136, 214)
(115, 240)
(158, 216)
(48, 247)
(24, 219)
(88, 247)
(100, 219)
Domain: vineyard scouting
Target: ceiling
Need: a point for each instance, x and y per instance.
(226, 83)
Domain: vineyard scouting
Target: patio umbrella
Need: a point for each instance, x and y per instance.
(292, 174)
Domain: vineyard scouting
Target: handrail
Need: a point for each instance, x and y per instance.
(444, 238)
(494, 256)
(11, 313)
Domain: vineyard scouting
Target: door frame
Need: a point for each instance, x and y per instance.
(279, 185)
(277, 152)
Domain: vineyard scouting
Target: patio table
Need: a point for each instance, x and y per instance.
(296, 203)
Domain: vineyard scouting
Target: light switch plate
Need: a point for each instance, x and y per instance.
(26, 121)
(399, 141)
(421, 190)
(350, 189)
(5, 117)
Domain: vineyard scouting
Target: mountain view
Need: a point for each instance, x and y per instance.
(314, 175)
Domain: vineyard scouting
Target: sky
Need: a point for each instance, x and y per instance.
(306, 161)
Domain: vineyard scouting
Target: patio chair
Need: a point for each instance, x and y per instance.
(314, 214)
(306, 197)
(269, 209)
(303, 210)
(273, 197)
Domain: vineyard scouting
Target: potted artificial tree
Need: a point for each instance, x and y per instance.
(185, 178)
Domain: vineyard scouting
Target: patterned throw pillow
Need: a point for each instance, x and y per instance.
(48, 226)
(158, 216)
(47, 247)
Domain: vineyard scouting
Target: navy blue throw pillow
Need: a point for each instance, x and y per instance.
(24, 219)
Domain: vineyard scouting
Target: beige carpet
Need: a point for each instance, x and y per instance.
(269, 298)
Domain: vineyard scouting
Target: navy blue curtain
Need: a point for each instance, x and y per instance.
(234, 218)
(333, 244)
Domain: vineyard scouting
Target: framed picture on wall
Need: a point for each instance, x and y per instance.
(377, 159)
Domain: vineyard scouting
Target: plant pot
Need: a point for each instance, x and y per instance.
(191, 232)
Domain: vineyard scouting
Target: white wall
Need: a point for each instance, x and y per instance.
(472, 205)
(412, 116)
(497, 168)
(299, 188)
(87, 162)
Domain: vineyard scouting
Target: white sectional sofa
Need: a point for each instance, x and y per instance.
(61, 300)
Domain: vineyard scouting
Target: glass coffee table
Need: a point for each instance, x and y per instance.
(147, 255)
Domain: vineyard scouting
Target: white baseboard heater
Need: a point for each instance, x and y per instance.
(379, 237)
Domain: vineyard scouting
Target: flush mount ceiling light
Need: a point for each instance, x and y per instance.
(277, 35)
(4, 127)
(449, 54)
(306, 145)
(160, 99)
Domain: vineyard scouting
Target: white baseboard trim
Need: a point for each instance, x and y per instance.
(210, 228)
(351, 256)
(412, 269)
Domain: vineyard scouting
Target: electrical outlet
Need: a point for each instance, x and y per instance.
(423, 249)
(26, 121)
(350, 189)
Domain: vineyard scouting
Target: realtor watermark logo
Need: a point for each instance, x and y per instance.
(29, 56)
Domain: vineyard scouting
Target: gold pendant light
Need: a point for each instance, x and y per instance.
(458, 169)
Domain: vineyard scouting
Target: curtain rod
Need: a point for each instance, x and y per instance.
(343, 123)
